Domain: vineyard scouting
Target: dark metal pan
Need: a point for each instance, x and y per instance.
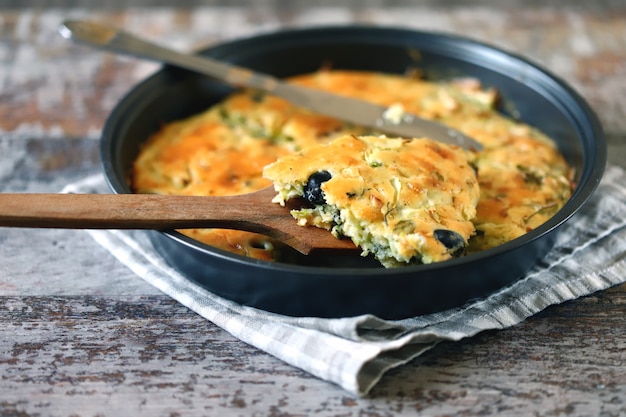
(329, 285)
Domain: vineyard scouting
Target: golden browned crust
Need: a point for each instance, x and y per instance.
(523, 178)
(404, 200)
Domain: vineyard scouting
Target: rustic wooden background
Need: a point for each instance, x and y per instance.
(82, 335)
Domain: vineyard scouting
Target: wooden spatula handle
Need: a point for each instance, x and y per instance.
(133, 211)
(252, 212)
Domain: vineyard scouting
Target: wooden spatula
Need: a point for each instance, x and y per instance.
(253, 212)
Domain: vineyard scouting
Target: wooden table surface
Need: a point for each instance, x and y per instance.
(81, 335)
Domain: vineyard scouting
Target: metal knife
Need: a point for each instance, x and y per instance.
(358, 112)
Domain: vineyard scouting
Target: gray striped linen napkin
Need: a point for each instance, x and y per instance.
(355, 352)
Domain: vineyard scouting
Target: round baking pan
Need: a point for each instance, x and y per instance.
(327, 284)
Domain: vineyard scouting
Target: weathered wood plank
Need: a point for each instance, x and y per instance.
(82, 335)
(67, 355)
(586, 46)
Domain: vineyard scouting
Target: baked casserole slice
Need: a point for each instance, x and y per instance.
(403, 200)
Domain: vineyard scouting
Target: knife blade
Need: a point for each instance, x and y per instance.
(358, 112)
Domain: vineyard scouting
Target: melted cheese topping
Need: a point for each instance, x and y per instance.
(523, 178)
(402, 200)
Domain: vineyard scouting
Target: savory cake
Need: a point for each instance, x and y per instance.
(403, 200)
(523, 178)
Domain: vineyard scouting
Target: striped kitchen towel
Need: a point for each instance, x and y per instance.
(355, 352)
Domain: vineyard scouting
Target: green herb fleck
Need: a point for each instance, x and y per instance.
(529, 176)
(404, 226)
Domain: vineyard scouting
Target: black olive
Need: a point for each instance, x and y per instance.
(451, 240)
(313, 189)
